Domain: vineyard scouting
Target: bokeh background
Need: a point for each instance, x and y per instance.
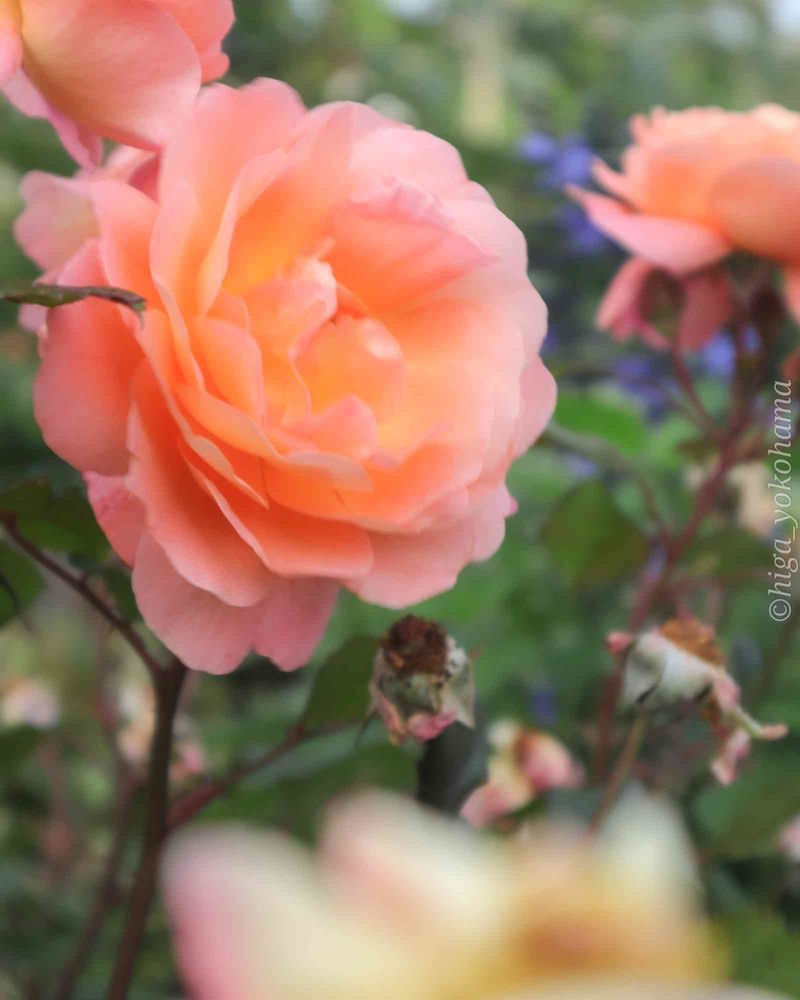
(529, 91)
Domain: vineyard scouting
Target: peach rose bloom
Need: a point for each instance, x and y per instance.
(701, 183)
(127, 70)
(339, 362)
(401, 904)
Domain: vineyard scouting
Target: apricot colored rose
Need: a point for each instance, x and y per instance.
(696, 185)
(339, 362)
(127, 70)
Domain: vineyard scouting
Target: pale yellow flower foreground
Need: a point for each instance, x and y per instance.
(403, 905)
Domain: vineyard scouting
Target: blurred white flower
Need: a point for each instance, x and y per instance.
(401, 904)
(756, 505)
(28, 702)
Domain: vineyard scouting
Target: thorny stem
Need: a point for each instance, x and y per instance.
(167, 683)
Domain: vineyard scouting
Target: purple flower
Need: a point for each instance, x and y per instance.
(640, 375)
(539, 148)
(567, 160)
(571, 165)
(718, 358)
(583, 238)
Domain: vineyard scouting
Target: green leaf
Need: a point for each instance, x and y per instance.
(340, 692)
(744, 820)
(763, 951)
(609, 417)
(16, 744)
(20, 582)
(52, 296)
(728, 551)
(296, 801)
(118, 582)
(64, 522)
(590, 539)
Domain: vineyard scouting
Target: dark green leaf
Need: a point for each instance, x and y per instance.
(16, 744)
(590, 539)
(340, 692)
(62, 521)
(744, 821)
(52, 296)
(20, 582)
(450, 767)
(118, 582)
(728, 552)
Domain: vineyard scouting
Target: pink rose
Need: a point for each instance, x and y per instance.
(639, 293)
(338, 365)
(127, 70)
(696, 185)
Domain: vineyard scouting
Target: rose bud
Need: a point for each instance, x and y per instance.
(422, 681)
(523, 763)
(680, 661)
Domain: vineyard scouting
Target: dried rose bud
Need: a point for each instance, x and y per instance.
(523, 763)
(421, 681)
(680, 661)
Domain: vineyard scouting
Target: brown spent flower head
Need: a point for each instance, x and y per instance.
(695, 637)
(422, 681)
(416, 645)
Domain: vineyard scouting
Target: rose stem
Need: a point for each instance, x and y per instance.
(622, 770)
(167, 683)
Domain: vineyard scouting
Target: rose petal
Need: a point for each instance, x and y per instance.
(82, 391)
(119, 513)
(182, 519)
(124, 70)
(673, 244)
(754, 204)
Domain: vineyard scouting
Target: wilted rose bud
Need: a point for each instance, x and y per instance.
(680, 661)
(523, 763)
(421, 681)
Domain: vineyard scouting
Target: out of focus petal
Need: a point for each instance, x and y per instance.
(673, 244)
(755, 206)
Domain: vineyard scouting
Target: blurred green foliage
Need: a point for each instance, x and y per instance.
(483, 75)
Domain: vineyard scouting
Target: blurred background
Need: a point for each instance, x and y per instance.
(529, 91)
